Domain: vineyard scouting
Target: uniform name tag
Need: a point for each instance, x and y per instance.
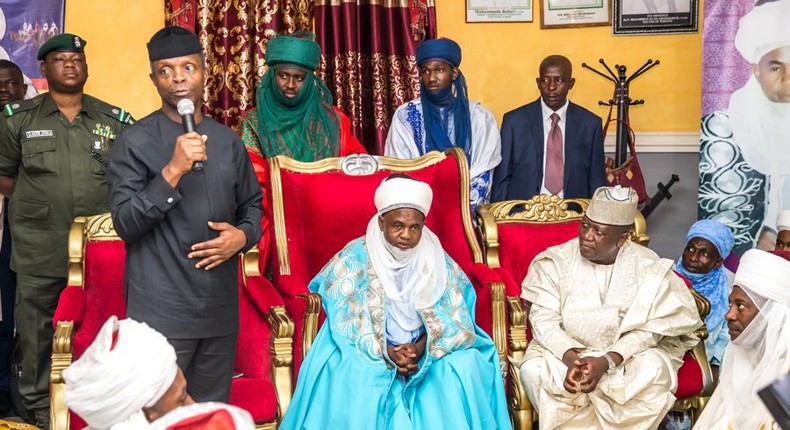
(39, 133)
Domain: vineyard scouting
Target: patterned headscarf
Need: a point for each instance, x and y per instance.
(438, 106)
(713, 285)
(306, 127)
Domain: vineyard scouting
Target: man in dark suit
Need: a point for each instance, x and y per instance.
(550, 146)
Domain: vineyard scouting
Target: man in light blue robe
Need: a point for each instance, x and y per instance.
(399, 348)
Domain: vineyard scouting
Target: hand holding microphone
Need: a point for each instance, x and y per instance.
(186, 109)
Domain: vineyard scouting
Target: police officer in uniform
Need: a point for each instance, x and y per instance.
(56, 146)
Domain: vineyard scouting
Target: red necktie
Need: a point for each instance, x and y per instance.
(554, 163)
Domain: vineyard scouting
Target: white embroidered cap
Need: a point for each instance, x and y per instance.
(613, 206)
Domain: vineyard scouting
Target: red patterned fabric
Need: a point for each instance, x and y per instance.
(181, 13)
(233, 35)
(368, 59)
(317, 226)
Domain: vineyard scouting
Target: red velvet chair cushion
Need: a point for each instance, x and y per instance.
(689, 378)
(71, 306)
(103, 286)
(101, 297)
(254, 390)
(519, 243)
(256, 396)
(323, 212)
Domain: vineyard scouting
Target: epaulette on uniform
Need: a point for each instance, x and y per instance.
(120, 114)
(19, 106)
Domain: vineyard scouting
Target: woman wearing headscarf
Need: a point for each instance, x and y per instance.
(708, 243)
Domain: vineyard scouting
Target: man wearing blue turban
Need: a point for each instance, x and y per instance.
(443, 118)
(708, 243)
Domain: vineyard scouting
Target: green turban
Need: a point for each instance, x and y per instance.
(299, 48)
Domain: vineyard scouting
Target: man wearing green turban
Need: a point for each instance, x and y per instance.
(294, 114)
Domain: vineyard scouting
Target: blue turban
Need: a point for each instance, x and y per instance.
(439, 49)
(452, 102)
(712, 285)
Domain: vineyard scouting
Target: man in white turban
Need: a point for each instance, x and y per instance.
(610, 321)
(127, 377)
(399, 347)
(759, 323)
(744, 157)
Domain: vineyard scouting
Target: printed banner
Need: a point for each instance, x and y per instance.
(745, 130)
(24, 26)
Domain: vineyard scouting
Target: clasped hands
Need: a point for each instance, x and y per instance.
(584, 373)
(407, 356)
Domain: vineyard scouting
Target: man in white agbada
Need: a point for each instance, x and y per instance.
(126, 378)
(759, 323)
(744, 149)
(611, 322)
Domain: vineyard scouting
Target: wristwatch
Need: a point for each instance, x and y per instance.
(609, 360)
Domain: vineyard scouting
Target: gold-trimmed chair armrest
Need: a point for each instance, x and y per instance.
(498, 323)
(521, 411)
(76, 248)
(699, 353)
(62, 356)
(249, 263)
(282, 338)
(312, 311)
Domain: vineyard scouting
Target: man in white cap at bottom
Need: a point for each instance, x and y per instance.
(127, 378)
(759, 352)
(610, 321)
(399, 347)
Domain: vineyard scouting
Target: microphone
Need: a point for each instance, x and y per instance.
(186, 109)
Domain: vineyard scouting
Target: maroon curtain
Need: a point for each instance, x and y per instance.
(368, 58)
(233, 34)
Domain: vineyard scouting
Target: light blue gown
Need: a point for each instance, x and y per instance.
(348, 382)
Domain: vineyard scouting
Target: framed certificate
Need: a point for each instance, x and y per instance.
(498, 10)
(655, 16)
(574, 13)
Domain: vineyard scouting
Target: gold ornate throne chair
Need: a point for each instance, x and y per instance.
(513, 233)
(317, 208)
(95, 292)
